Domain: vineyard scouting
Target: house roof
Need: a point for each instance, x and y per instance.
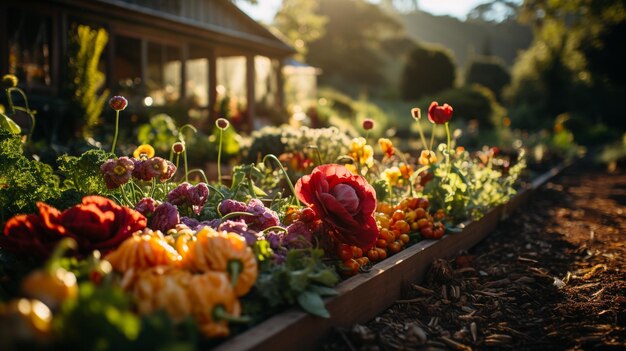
(218, 20)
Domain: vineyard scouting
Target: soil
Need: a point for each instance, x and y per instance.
(553, 276)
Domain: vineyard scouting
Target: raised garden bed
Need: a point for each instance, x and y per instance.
(365, 295)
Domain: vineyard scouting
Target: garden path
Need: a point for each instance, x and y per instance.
(553, 276)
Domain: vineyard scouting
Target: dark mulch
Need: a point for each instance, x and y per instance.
(553, 276)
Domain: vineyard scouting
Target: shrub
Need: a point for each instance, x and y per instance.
(490, 72)
(428, 70)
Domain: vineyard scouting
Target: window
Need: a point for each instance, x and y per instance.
(127, 72)
(163, 76)
(30, 42)
(231, 81)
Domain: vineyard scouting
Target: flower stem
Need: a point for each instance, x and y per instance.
(25, 109)
(219, 159)
(185, 161)
(432, 138)
(293, 190)
(419, 129)
(448, 153)
(117, 125)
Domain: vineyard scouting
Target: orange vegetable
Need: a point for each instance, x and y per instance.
(225, 252)
(213, 303)
(143, 250)
(53, 284)
(163, 288)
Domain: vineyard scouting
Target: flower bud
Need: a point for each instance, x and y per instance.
(222, 123)
(368, 124)
(416, 113)
(9, 81)
(178, 147)
(118, 103)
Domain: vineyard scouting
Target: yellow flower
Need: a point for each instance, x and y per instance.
(427, 158)
(143, 152)
(386, 146)
(361, 152)
(392, 175)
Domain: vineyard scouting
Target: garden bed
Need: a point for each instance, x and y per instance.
(362, 297)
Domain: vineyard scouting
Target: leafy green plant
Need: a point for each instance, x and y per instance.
(83, 173)
(85, 80)
(303, 279)
(23, 181)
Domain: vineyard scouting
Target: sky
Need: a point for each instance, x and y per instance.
(265, 9)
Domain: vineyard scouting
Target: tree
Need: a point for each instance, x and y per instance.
(298, 21)
(360, 44)
(428, 70)
(575, 64)
(490, 72)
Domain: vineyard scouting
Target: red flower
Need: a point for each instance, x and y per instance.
(439, 114)
(344, 201)
(96, 224)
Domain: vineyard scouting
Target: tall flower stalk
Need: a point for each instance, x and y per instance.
(222, 124)
(117, 103)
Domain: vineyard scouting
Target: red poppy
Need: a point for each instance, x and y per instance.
(344, 201)
(439, 114)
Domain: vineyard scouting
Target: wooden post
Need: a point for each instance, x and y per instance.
(280, 86)
(212, 86)
(144, 65)
(250, 90)
(184, 56)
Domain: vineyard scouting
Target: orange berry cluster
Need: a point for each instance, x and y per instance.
(397, 223)
(352, 259)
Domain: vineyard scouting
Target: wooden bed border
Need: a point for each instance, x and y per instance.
(365, 295)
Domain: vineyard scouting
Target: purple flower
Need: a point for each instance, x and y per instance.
(147, 206)
(153, 167)
(195, 224)
(187, 194)
(264, 218)
(275, 239)
(178, 196)
(227, 206)
(165, 217)
(117, 172)
(299, 235)
(198, 195)
(240, 227)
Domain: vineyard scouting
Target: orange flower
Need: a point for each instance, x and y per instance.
(386, 146)
(405, 170)
(427, 158)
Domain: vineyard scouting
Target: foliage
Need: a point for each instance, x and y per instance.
(321, 144)
(470, 103)
(85, 80)
(83, 173)
(101, 318)
(571, 64)
(160, 132)
(363, 40)
(303, 278)
(23, 181)
(428, 70)
(297, 20)
(490, 72)
(348, 114)
(473, 185)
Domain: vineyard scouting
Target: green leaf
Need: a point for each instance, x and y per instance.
(313, 303)
(8, 124)
(323, 290)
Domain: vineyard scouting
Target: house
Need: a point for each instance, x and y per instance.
(188, 53)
